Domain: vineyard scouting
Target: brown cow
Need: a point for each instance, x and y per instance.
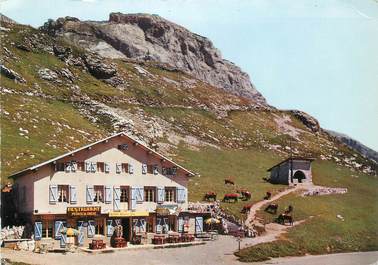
(210, 196)
(282, 218)
(272, 208)
(229, 181)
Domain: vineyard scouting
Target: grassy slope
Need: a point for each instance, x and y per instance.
(325, 233)
(247, 167)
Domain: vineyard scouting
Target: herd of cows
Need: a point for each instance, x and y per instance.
(245, 195)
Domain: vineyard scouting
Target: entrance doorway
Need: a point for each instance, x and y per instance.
(300, 176)
(126, 228)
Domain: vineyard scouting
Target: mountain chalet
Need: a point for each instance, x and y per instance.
(115, 181)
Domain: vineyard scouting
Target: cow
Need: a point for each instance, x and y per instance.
(231, 197)
(268, 195)
(272, 208)
(229, 181)
(245, 194)
(289, 209)
(282, 218)
(210, 196)
(246, 208)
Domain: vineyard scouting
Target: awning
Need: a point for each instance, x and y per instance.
(128, 214)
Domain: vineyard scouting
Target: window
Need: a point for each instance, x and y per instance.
(98, 194)
(100, 166)
(170, 171)
(124, 194)
(47, 229)
(170, 194)
(125, 167)
(150, 169)
(80, 166)
(149, 194)
(62, 193)
(99, 227)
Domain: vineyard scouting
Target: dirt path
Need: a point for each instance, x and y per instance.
(257, 206)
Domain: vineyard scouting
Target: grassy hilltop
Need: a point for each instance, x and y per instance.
(206, 129)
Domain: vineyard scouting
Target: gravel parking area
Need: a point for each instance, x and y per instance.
(214, 252)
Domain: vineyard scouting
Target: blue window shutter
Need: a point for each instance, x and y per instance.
(80, 237)
(53, 194)
(159, 225)
(144, 169)
(165, 224)
(73, 166)
(37, 230)
(199, 224)
(118, 168)
(160, 194)
(67, 167)
(131, 168)
(155, 170)
(179, 194)
(87, 167)
(91, 228)
(139, 194)
(58, 227)
(89, 194)
(73, 195)
(133, 198)
(109, 228)
(184, 195)
(142, 225)
(116, 198)
(108, 194)
(107, 168)
(93, 167)
(63, 240)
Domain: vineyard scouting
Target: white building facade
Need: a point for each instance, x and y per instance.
(115, 181)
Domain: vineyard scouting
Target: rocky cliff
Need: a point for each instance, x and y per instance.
(355, 145)
(146, 37)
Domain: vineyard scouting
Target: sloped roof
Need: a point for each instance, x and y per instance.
(24, 171)
(293, 159)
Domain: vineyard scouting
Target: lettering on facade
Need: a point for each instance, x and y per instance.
(83, 211)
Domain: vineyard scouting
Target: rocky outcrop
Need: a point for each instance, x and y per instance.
(101, 70)
(6, 20)
(11, 74)
(355, 145)
(309, 121)
(151, 38)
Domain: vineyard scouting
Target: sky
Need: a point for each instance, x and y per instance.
(319, 56)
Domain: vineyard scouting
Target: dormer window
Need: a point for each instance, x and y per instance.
(100, 166)
(62, 193)
(125, 167)
(123, 147)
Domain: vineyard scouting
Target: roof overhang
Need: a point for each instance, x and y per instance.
(292, 159)
(36, 167)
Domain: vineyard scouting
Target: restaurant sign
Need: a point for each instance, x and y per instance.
(83, 211)
(128, 214)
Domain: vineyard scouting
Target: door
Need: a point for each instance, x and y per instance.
(126, 228)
